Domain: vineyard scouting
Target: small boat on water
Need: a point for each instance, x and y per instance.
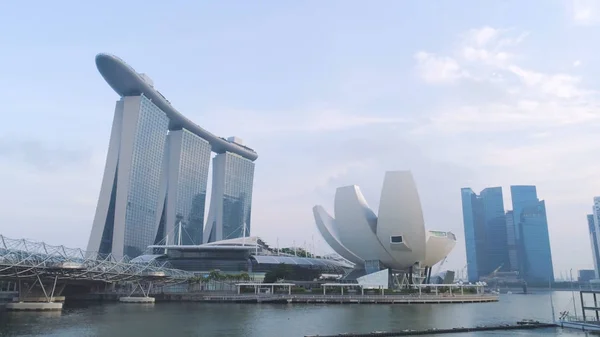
(527, 322)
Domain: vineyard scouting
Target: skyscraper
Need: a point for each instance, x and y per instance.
(485, 232)
(594, 228)
(183, 188)
(511, 242)
(130, 187)
(594, 243)
(533, 240)
(231, 198)
(156, 172)
(495, 228)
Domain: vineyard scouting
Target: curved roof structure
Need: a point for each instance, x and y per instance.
(127, 82)
(439, 245)
(294, 260)
(395, 237)
(328, 229)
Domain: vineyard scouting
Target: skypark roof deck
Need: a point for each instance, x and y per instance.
(127, 82)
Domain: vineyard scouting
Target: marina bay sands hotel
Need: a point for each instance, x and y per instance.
(156, 175)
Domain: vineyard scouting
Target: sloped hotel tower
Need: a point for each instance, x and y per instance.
(156, 174)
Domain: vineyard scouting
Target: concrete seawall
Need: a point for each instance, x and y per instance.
(301, 298)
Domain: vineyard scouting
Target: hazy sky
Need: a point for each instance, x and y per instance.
(330, 93)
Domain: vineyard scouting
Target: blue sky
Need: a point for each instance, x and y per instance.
(330, 93)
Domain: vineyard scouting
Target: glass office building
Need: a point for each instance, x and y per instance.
(522, 196)
(185, 180)
(533, 239)
(511, 241)
(495, 230)
(474, 227)
(156, 172)
(485, 232)
(594, 244)
(231, 199)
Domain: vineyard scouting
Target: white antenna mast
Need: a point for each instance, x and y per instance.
(244, 234)
(179, 234)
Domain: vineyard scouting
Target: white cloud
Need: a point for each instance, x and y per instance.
(482, 36)
(333, 120)
(509, 116)
(557, 85)
(576, 63)
(528, 98)
(489, 45)
(584, 12)
(438, 69)
(312, 120)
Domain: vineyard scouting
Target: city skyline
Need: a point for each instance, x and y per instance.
(485, 97)
(514, 240)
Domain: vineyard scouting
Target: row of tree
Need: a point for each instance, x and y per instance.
(216, 275)
(300, 252)
(286, 272)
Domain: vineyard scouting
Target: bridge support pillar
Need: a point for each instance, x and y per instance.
(145, 292)
(27, 300)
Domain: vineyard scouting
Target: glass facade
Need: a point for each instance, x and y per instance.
(533, 239)
(194, 161)
(536, 257)
(485, 232)
(522, 196)
(144, 177)
(594, 242)
(237, 196)
(511, 241)
(474, 233)
(495, 230)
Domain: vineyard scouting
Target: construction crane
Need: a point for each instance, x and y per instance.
(439, 268)
(462, 273)
(492, 274)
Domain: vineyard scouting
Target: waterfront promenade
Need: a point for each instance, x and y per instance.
(304, 298)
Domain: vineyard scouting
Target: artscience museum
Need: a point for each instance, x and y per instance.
(394, 240)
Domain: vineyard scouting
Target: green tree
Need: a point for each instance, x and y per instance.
(244, 277)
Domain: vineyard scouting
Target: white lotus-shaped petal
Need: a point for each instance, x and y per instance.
(400, 215)
(327, 227)
(397, 237)
(439, 245)
(356, 225)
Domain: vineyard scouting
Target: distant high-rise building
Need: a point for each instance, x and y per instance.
(155, 178)
(495, 226)
(511, 242)
(594, 243)
(533, 239)
(474, 233)
(585, 275)
(485, 232)
(595, 234)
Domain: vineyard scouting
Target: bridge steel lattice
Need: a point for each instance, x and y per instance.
(27, 261)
